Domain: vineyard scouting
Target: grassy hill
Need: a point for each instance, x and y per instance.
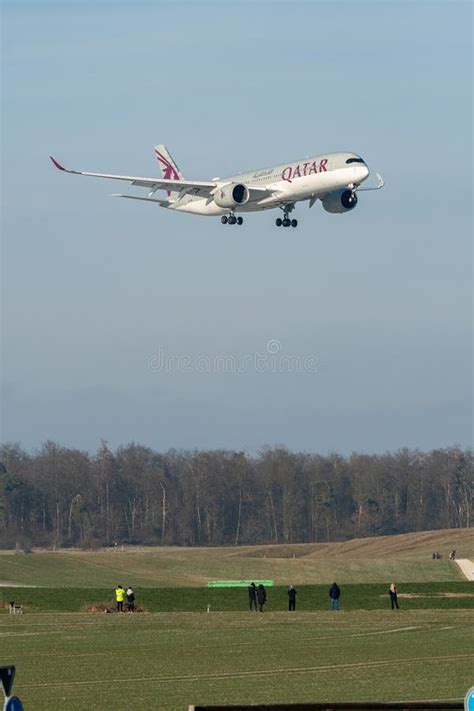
(404, 558)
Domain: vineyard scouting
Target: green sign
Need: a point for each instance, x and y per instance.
(238, 583)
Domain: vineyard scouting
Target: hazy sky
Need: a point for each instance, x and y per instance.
(118, 316)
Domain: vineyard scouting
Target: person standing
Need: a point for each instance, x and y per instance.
(130, 599)
(119, 596)
(252, 589)
(334, 595)
(291, 598)
(261, 597)
(393, 592)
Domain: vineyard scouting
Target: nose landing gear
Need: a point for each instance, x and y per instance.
(231, 219)
(286, 222)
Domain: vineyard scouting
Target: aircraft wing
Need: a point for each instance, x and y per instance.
(162, 203)
(195, 187)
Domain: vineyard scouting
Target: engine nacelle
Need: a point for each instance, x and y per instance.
(231, 195)
(340, 201)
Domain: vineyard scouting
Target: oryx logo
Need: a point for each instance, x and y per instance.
(169, 171)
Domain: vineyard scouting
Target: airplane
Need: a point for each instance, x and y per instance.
(333, 178)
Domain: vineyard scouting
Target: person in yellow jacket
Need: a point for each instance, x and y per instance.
(119, 596)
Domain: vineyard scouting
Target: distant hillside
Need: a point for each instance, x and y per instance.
(404, 558)
(414, 546)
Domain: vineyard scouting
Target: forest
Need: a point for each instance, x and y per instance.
(60, 497)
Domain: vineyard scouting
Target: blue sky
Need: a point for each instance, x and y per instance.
(94, 289)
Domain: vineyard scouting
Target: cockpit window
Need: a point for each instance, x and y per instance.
(355, 160)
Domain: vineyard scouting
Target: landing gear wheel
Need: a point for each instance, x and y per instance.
(286, 222)
(278, 222)
(224, 219)
(240, 220)
(232, 220)
(294, 223)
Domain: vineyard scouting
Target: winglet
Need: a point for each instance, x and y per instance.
(58, 165)
(380, 184)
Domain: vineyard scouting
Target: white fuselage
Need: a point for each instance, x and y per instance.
(307, 179)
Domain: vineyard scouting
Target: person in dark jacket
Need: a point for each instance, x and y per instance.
(252, 596)
(334, 595)
(393, 592)
(291, 598)
(261, 597)
(130, 595)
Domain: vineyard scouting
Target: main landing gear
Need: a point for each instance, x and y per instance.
(231, 220)
(286, 222)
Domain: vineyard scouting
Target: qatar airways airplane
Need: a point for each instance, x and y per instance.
(333, 178)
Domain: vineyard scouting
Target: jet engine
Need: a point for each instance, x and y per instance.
(231, 195)
(340, 201)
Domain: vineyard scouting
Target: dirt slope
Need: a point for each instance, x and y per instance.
(419, 545)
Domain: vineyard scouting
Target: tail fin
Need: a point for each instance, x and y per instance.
(169, 169)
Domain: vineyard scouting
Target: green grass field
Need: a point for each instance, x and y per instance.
(175, 653)
(404, 558)
(169, 660)
(371, 596)
(155, 569)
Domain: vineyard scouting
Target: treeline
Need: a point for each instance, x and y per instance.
(66, 497)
